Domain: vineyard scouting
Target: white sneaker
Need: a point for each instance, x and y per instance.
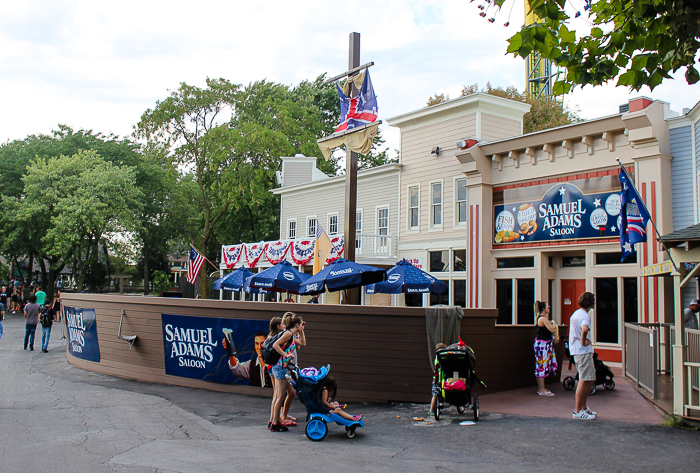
(590, 412)
(583, 415)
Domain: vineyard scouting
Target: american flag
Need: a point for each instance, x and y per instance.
(359, 110)
(633, 216)
(194, 265)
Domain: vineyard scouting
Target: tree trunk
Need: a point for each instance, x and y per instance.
(30, 269)
(42, 265)
(146, 272)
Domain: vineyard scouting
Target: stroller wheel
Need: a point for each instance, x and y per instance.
(592, 391)
(316, 430)
(475, 407)
(460, 409)
(609, 384)
(569, 383)
(350, 432)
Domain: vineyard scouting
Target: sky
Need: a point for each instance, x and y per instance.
(99, 65)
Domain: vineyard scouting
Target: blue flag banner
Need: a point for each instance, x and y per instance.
(194, 349)
(81, 326)
(633, 216)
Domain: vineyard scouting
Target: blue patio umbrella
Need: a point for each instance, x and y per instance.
(252, 290)
(342, 274)
(282, 277)
(404, 277)
(233, 281)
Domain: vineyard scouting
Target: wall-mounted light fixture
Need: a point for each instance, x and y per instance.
(435, 152)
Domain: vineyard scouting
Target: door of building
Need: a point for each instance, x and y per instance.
(570, 290)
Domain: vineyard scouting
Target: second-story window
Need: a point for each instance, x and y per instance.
(333, 224)
(358, 229)
(291, 229)
(436, 204)
(461, 200)
(413, 200)
(311, 227)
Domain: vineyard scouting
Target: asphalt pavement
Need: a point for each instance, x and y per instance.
(57, 418)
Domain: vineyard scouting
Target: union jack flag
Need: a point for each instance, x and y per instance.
(633, 216)
(194, 265)
(359, 110)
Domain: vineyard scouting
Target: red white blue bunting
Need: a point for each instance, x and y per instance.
(276, 251)
(338, 248)
(230, 254)
(302, 251)
(253, 252)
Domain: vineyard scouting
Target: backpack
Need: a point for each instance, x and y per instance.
(269, 354)
(46, 318)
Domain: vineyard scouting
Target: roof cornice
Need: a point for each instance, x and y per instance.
(461, 106)
(363, 174)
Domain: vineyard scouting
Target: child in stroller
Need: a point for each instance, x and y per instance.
(603, 374)
(456, 377)
(317, 394)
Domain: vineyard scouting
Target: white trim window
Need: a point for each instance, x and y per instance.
(291, 228)
(413, 196)
(333, 223)
(382, 223)
(358, 230)
(311, 226)
(436, 204)
(461, 201)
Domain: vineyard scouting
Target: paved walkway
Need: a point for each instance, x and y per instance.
(622, 404)
(57, 418)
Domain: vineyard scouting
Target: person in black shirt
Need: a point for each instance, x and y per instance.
(48, 315)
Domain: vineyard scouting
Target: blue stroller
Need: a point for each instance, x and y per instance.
(309, 390)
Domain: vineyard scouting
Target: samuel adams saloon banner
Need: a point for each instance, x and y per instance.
(564, 213)
(81, 326)
(193, 349)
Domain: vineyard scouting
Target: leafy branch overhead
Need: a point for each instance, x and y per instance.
(639, 42)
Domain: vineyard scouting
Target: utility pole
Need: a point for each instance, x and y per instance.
(352, 296)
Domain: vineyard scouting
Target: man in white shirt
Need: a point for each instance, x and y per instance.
(581, 349)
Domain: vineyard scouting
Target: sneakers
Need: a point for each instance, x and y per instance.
(589, 412)
(583, 415)
(357, 417)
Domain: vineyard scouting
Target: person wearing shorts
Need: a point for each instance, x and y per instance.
(582, 351)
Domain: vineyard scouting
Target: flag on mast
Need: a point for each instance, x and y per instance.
(633, 216)
(323, 248)
(359, 110)
(196, 260)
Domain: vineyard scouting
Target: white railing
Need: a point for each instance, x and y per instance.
(642, 356)
(381, 246)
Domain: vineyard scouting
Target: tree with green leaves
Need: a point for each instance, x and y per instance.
(86, 199)
(639, 42)
(545, 112)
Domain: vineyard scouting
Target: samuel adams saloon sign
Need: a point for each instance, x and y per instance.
(564, 213)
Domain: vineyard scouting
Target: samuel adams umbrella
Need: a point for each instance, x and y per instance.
(233, 281)
(282, 277)
(342, 274)
(404, 277)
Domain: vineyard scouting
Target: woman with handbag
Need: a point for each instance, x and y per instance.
(545, 361)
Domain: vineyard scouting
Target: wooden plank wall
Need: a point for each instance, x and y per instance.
(377, 354)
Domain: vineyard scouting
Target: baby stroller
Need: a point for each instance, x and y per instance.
(455, 375)
(309, 389)
(603, 374)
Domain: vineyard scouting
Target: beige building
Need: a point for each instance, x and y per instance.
(502, 218)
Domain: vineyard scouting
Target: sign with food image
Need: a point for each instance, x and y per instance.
(564, 213)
